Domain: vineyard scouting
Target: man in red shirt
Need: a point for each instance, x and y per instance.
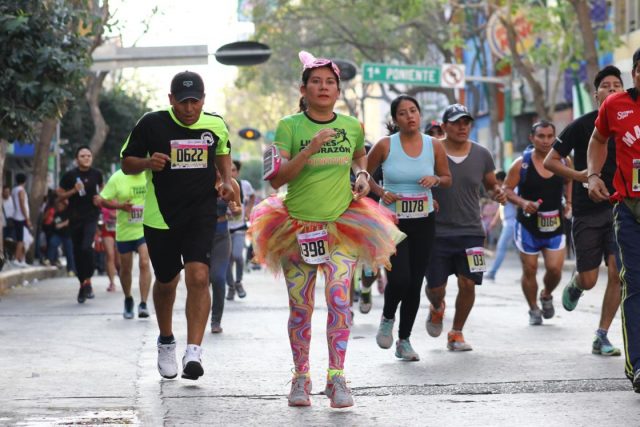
(619, 117)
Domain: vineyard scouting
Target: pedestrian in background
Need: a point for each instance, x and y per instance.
(81, 186)
(21, 220)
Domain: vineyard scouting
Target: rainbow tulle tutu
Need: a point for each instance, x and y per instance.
(366, 229)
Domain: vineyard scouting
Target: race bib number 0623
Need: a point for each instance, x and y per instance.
(189, 154)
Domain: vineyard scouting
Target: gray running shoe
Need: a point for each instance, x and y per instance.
(434, 320)
(216, 328)
(456, 342)
(547, 307)
(365, 302)
(404, 351)
(338, 392)
(231, 293)
(300, 391)
(167, 365)
(384, 337)
(535, 317)
(240, 290)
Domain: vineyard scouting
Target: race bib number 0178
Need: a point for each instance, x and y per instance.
(412, 206)
(475, 258)
(189, 154)
(314, 246)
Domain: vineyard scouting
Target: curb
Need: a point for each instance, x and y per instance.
(11, 278)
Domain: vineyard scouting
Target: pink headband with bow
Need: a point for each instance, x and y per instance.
(309, 62)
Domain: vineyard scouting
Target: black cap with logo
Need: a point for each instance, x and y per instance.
(455, 112)
(187, 84)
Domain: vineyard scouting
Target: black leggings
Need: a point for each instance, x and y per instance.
(82, 235)
(409, 266)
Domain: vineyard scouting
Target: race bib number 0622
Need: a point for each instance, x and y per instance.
(189, 154)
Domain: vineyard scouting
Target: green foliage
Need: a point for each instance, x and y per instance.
(252, 172)
(43, 61)
(121, 110)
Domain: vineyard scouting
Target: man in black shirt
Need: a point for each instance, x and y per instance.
(592, 225)
(81, 186)
(179, 149)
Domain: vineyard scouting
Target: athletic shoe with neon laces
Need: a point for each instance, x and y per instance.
(143, 311)
(365, 302)
(602, 346)
(300, 391)
(338, 392)
(456, 342)
(128, 308)
(404, 351)
(535, 317)
(192, 362)
(570, 296)
(434, 320)
(547, 307)
(384, 337)
(167, 365)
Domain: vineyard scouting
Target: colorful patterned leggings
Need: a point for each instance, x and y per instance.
(301, 281)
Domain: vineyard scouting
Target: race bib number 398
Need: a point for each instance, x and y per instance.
(314, 246)
(189, 154)
(475, 258)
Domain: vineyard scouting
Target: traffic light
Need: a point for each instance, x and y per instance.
(249, 133)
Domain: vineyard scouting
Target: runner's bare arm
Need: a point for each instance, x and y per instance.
(359, 168)
(223, 163)
(554, 163)
(377, 155)
(134, 165)
(596, 156)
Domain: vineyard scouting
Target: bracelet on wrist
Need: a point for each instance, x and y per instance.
(593, 174)
(362, 171)
(437, 184)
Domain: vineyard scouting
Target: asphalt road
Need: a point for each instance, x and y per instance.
(69, 364)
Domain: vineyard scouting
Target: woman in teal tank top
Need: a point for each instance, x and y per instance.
(321, 223)
(412, 163)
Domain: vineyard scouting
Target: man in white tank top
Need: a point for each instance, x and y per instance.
(20, 217)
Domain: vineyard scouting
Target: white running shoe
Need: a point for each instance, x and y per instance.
(192, 362)
(167, 365)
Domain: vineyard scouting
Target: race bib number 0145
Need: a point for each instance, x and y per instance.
(475, 258)
(412, 206)
(314, 246)
(189, 154)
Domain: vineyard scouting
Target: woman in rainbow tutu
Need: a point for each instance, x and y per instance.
(321, 222)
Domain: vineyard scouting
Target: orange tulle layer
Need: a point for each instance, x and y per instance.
(366, 229)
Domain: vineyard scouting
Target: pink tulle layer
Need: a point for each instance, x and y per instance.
(366, 229)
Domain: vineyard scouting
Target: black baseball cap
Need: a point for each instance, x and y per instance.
(455, 112)
(187, 84)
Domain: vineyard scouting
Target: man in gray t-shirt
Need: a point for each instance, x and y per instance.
(459, 233)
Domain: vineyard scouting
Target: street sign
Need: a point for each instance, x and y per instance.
(408, 74)
(452, 76)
